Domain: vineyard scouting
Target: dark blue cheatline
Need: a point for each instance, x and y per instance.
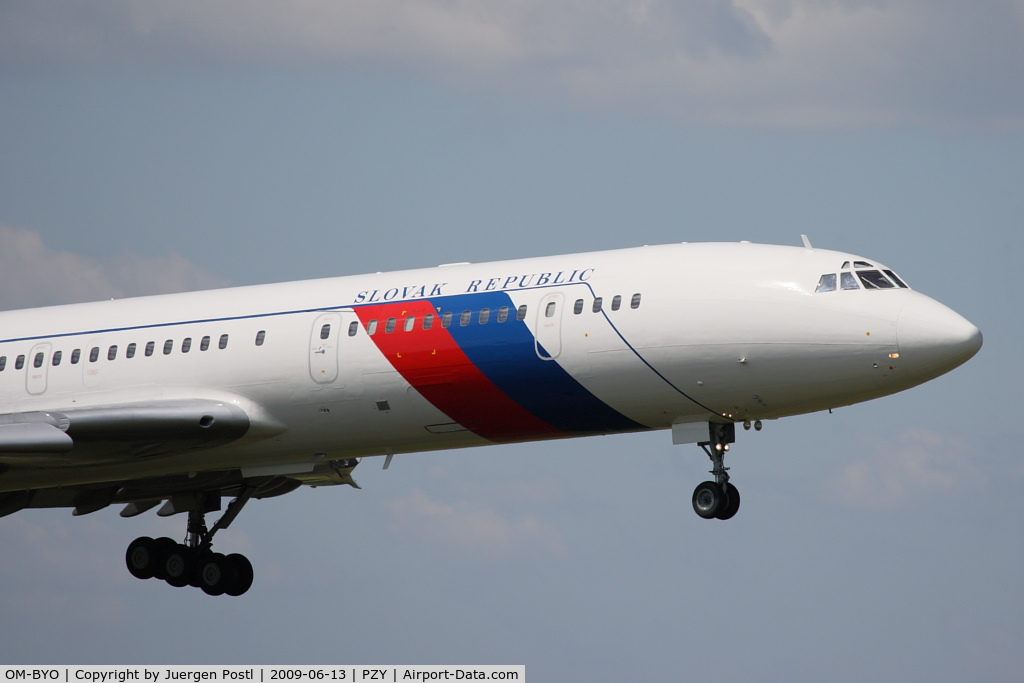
(506, 355)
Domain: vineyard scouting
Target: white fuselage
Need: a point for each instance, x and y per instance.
(700, 332)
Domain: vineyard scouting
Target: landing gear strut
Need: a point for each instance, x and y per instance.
(195, 563)
(717, 499)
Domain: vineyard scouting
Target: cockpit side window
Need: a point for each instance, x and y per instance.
(899, 283)
(847, 280)
(862, 264)
(873, 279)
(827, 283)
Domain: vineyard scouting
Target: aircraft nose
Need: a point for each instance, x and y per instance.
(934, 339)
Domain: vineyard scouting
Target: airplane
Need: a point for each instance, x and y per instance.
(184, 400)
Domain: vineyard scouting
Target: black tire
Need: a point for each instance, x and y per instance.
(242, 570)
(215, 574)
(708, 500)
(732, 505)
(142, 557)
(163, 545)
(179, 564)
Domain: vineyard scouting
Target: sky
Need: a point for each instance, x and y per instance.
(167, 146)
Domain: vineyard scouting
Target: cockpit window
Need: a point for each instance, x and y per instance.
(867, 279)
(862, 264)
(827, 283)
(895, 278)
(873, 279)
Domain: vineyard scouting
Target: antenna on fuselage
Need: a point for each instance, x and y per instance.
(807, 242)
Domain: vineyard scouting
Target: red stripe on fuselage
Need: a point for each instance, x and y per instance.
(437, 368)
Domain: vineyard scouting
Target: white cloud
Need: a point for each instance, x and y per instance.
(32, 274)
(823, 63)
(472, 528)
(921, 464)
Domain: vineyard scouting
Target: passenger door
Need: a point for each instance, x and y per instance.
(548, 332)
(36, 365)
(323, 348)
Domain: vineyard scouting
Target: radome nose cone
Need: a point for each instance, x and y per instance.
(934, 339)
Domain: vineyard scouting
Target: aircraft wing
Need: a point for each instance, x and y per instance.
(98, 435)
(102, 434)
(42, 436)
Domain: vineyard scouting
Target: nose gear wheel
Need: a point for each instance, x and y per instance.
(717, 499)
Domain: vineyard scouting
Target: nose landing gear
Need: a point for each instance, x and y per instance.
(717, 499)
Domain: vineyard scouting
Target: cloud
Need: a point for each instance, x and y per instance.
(822, 63)
(920, 465)
(472, 528)
(32, 274)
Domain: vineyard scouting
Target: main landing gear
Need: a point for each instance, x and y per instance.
(717, 499)
(195, 564)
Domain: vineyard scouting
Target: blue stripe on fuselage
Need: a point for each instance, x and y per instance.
(505, 353)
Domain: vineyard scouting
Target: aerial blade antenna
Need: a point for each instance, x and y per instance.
(807, 242)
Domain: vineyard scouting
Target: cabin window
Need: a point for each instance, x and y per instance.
(19, 362)
(112, 352)
(149, 348)
(204, 343)
(260, 336)
(827, 283)
(129, 352)
(168, 347)
(325, 331)
(503, 314)
(410, 323)
(38, 361)
(3, 363)
(899, 283)
(521, 312)
(597, 304)
(223, 344)
(577, 307)
(57, 355)
(75, 356)
(389, 326)
(485, 315)
(446, 319)
(94, 354)
(353, 328)
(635, 301)
(186, 344)
(428, 321)
(616, 302)
(549, 310)
(464, 318)
(371, 327)
(848, 281)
